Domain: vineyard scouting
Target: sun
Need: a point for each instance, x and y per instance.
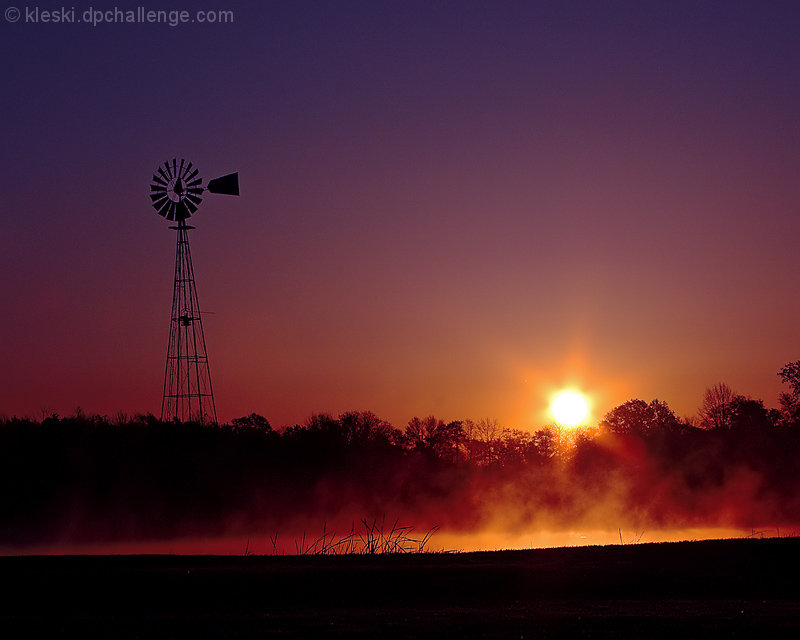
(570, 408)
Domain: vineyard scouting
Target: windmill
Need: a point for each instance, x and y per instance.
(176, 192)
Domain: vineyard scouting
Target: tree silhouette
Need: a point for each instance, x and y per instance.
(637, 416)
(253, 421)
(483, 440)
(790, 402)
(435, 437)
(87, 478)
(362, 428)
(715, 411)
(746, 413)
(790, 374)
(419, 430)
(545, 444)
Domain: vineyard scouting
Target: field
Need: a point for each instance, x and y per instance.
(729, 588)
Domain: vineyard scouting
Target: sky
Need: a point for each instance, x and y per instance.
(448, 208)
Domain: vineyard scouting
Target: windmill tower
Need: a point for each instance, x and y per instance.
(176, 192)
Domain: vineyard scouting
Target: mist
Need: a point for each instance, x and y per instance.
(126, 484)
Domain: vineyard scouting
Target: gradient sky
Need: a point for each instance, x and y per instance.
(447, 207)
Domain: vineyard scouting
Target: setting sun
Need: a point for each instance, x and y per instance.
(570, 408)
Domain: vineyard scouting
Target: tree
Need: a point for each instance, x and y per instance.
(790, 402)
(418, 431)
(790, 374)
(430, 434)
(746, 413)
(483, 440)
(629, 417)
(664, 418)
(514, 446)
(715, 412)
(545, 444)
(365, 428)
(790, 409)
(447, 439)
(253, 421)
(637, 416)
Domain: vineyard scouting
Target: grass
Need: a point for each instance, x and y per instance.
(369, 538)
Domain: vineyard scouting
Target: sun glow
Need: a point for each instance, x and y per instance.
(570, 408)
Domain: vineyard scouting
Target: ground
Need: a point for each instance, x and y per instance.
(732, 588)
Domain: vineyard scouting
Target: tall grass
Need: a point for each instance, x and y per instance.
(370, 538)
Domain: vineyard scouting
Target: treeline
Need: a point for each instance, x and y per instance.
(83, 479)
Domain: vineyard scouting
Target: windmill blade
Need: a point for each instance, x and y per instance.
(180, 171)
(193, 198)
(164, 208)
(159, 181)
(192, 174)
(163, 174)
(174, 167)
(226, 185)
(171, 210)
(190, 206)
(156, 198)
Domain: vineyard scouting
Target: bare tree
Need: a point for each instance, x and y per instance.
(716, 410)
(486, 441)
(443, 439)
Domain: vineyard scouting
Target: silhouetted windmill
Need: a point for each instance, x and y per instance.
(176, 193)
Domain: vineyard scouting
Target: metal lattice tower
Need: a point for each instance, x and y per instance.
(188, 394)
(175, 193)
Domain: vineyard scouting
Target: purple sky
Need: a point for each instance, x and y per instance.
(447, 207)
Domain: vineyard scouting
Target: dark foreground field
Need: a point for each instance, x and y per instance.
(734, 588)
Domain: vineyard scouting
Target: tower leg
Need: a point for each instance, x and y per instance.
(188, 395)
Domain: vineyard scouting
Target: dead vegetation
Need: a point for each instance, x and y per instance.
(368, 538)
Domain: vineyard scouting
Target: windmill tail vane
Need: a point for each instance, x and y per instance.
(175, 193)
